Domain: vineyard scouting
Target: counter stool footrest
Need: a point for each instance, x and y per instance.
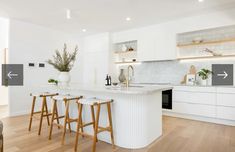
(102, 129)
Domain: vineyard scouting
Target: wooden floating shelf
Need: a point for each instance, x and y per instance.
(124, 52)
(127, 62)
(205, 57)
(207, 43)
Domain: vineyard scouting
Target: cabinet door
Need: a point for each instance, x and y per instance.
(146, 45)
(156, 44)
(165, 44)
(195, 109)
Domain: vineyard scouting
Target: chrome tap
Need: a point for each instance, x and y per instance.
(128, 75)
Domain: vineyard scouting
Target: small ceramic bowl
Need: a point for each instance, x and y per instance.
(115, 83)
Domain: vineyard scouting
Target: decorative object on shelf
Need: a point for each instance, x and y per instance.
(130, 49)
(124, 48)
(52, 82)
(191, 79)
(192, 71)
(197, 40)
(122, 77)
(204, 74)
(115, 83)
(63, 63)
(211, 52)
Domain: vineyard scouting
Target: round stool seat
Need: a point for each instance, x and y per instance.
(43, 94)
(65, 97)
(93, 101)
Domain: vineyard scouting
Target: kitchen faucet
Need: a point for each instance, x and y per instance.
(128, 75)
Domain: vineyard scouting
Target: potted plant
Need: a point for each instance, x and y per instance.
(204, 74)
(63, 62)
(52, 82)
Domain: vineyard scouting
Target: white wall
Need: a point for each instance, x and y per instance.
(96, 58)
(4, 23)
(33, 43)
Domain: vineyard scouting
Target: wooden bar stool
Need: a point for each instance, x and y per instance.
(67, 120)
(94, 102)
(44, 108)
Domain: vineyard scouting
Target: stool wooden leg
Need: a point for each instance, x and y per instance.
(65, 120)
(110, 123)
(41, 117)
(46, 108)
(93, 117)
(57, 116)
(78, 125)
(96, 128)
(32, 112)
(52, 118)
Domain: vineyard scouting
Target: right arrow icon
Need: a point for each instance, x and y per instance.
(224, 75)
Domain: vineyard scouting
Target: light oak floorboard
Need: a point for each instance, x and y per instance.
(179, 135)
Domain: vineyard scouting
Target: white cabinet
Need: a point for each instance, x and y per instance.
(156, 43)
(125, 36)
(198, 101)
(195, 109)
(195, 97)
(212, 102)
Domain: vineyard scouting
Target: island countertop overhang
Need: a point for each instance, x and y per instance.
(112, 89)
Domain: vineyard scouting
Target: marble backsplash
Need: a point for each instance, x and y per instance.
(171, 71)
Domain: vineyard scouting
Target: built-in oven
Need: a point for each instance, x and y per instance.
(167, 99)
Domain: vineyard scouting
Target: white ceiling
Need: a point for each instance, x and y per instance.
(105, 15)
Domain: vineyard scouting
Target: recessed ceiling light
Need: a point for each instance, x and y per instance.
(128, 19)
(68, 14)
(200, 0)
(84, 30)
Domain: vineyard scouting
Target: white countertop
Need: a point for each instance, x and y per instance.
(134, 89)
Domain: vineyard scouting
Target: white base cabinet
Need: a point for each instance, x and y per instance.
(213, 104)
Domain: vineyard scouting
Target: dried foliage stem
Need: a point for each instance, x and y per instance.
(63, 62)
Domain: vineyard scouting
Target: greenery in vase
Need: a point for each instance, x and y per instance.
(63, 61)
(204, 73)
(53, 81)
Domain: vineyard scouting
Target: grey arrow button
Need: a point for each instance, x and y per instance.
(223, 75)
(10, 75)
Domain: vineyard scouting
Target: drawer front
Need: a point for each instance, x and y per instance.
(224, 99)
(195, 89)
(194, 97)
(226, 90)
(195, 109)
(227, 113)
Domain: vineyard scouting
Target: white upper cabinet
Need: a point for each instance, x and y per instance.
(156, 43)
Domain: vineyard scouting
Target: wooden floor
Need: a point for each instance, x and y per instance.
(179, 135)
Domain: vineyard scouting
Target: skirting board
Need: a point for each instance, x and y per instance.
(18, 113)
(199, 118)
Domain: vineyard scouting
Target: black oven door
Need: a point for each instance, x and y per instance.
(167, 99)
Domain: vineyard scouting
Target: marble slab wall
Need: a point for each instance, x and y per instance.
(171, 71)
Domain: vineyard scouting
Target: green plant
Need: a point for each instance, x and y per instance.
(52, 81)
(63, 62)
(204, 73)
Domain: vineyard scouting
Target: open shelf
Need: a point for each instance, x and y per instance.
(127, 62)
(124, 52)
(207, 43)
(205, 57)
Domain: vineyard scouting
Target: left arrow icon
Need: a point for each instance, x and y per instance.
(10, 75)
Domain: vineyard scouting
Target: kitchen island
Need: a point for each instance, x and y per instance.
(136, 112)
